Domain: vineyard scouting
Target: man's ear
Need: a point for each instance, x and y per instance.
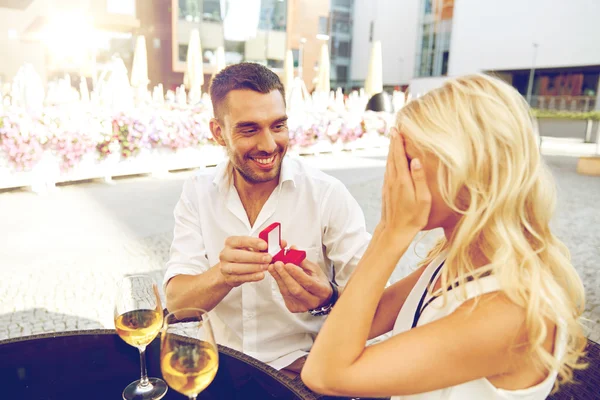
(217, 131)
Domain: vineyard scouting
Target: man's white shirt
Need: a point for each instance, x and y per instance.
(317, 214)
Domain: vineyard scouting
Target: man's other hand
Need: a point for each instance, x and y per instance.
(303, 287)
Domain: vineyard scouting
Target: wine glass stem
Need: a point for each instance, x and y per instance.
(144, 379)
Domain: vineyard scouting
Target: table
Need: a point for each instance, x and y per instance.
(97, 364)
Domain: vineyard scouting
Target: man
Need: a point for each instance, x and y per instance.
(217, 263)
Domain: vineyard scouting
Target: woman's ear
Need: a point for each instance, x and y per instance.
(463, 199)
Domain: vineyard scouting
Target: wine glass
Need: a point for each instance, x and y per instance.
(189, 356)
(138, 319)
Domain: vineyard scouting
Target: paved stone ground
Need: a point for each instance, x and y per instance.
(61, 254)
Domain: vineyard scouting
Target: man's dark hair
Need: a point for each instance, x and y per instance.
(243, 76)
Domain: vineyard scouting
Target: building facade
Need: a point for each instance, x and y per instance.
(250, 30)
(59, 37)
(340, 33)
(394, 23)
(307, 29)
(545, 48)
(557, 39)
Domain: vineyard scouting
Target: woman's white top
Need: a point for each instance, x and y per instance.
(479, 388)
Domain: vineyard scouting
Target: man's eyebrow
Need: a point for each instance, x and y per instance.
(280, 120)
(246, 124)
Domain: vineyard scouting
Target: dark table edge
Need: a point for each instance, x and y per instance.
(295, 385)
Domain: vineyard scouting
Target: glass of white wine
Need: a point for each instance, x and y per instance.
(138, 319)
(189, 356)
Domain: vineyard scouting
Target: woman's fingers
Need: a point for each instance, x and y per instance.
(406, 200)
(400, 160)
(422, 193)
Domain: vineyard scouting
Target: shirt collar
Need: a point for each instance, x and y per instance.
(288, 171)
(223, 178)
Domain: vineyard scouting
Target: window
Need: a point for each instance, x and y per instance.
(197, 10)
(211, 10)
(341, 26)
(207, 16)
(342, 3)
(189, 10)
(273, 15)
(341, 22)
(234, 52)
(427, 36)
(341, 49)
(323, 28)
(183, 48)
(445, 58)
(342, 73)
(428, 7)
(274, 63)
(434, 48)
(344, 49)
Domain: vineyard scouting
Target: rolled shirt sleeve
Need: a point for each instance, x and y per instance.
(188, 253)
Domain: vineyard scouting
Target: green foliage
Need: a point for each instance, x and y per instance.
(555, 114)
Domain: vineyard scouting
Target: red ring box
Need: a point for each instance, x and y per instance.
(272, 235)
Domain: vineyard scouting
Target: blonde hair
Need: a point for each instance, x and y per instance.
(491, 173)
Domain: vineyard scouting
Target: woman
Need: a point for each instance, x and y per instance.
(493, 311)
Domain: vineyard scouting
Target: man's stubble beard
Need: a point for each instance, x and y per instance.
(241, 165)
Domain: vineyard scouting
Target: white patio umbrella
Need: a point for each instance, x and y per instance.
(193, 79)
(139, 69)
(83, 90)
(219, 60)
(323, 84)
(374, 81)
(288, 72)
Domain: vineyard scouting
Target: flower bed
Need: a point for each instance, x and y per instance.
(78, 142)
